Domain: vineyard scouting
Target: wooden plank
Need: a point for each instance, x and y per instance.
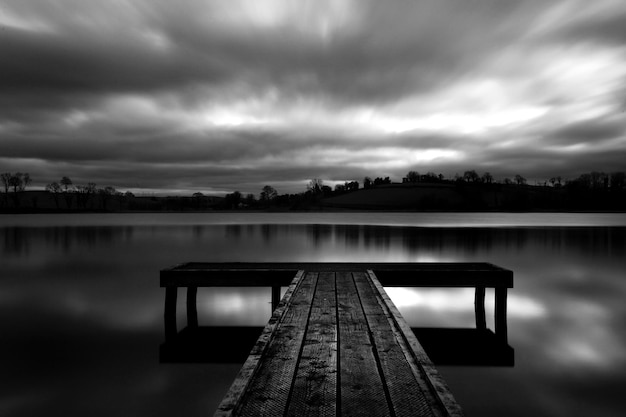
(337, 345)
(268, 392)
(315, 387)
(407, 395)
(423, 368)
(361, 387)
(237, 390)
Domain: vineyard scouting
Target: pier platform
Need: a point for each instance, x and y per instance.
(336, 344)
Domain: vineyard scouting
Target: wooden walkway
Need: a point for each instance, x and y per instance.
(336, 344)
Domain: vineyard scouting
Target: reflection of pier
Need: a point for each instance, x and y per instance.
(336, 340)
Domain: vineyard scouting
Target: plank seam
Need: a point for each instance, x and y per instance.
(381, 373)
(338, 388)
(435, 383)
(306, 329)
(232, 400)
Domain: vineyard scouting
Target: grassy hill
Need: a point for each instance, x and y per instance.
(449, 197)
(400, 197)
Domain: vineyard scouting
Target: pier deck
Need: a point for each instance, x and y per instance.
(336, 344)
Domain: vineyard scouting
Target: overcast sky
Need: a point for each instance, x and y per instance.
(216, 96)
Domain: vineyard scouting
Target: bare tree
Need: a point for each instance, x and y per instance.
(315, 186)
(268, 194)
(519, 180)
(18, 181)
(84, 193)
(105, 195)
(471, 176)
(55, 189)
(68, 190)
(413, 176)
(5, 177)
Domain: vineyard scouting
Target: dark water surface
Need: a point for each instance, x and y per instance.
(81, 310)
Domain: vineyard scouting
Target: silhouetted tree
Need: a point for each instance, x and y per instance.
(618, 180)
(315, 186)
(471, 176)
(55, 189)
(413, 176)
(84, 194)
(268, 194)
(367, 183)
(18, 181)
(351, 186)
(556, 181)
(519, 180)
(250, 200)
(68, 189)
(487, 178)
(381, 181)
(232, 200)
(105, 195)
(5, 177)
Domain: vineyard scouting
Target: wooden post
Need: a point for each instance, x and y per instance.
(275, 297)
(170, 312)
(192, 312)
(479, 308)
(500, 314)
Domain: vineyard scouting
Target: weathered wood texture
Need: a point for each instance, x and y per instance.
(237, 390)
(336, 345)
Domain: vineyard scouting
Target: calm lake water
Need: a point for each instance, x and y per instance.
(81, 310)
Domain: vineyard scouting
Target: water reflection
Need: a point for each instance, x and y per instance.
(601, 241)
(81, 312)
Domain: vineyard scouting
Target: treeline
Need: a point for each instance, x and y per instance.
(477, 191)
(59, 196)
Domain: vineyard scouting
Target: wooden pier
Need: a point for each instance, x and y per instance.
(336, 344)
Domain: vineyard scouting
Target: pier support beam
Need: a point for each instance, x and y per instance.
(192, 312)
(479, 308)
(170, 312)
(500, 314)
(275, 297)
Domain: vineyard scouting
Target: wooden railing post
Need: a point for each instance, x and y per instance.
(192, 312)
(170, 312)
(479, 308)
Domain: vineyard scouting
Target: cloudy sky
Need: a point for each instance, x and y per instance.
(215, 96)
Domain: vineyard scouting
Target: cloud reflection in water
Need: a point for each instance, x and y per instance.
(89, 297)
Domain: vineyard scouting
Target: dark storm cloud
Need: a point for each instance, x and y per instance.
(603, 27)
(167, 95)
(589, 131)
(393, 50)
